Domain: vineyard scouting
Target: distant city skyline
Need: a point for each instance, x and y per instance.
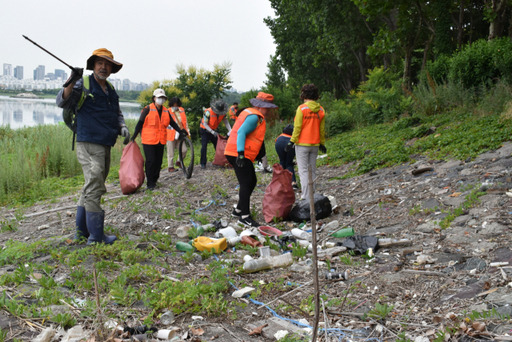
(14, 79)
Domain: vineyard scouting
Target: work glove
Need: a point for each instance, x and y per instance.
(215, 134)
(289, 147)
(229, 133)
(183, 133)
(76, 74)
(125, 132)
(323, 149)
(240, 160)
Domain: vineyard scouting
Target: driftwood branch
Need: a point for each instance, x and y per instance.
(39, 213)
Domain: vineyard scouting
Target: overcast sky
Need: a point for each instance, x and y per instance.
(150, 37)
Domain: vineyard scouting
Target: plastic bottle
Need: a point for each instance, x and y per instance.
(281, 260)
(184, 247)
(341, 276)
(345, 232)
(331, 225)
(256, 265)
(299, 233)
(301, 268)
(233, 240)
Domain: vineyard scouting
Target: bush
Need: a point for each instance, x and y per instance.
(483, 62)
(377, 100)
(431, 99)
(339, 118)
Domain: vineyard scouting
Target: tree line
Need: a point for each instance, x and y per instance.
(334, 43)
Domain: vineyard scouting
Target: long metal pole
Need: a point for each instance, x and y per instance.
(48, 52)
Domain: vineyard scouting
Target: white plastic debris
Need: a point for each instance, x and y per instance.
(280, 334)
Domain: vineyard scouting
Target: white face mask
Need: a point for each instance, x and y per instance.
(175, 109)
(160, 100)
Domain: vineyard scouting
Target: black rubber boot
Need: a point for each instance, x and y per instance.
(81, 225)
(95, 221)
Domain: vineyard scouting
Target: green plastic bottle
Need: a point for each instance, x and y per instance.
(345, 232)
(184, 247)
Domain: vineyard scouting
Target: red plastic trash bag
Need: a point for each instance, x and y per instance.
(279, 196)
(131, 170)
(220, 159)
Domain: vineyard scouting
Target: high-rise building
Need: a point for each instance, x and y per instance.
(7, 69)
(18, 72)
(39, 73)
(61, 73)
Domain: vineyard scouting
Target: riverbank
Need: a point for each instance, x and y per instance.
(448, 275)
(124, 96)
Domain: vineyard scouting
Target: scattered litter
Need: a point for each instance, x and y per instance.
(280, 334)
(43, 227)
(269, 231)
(204, 243)
(360, 243)
(167, 318)
(423, 259)
(242, 292)
(167, 334)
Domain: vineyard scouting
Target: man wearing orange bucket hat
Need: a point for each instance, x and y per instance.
(243, 147)
(98, 123)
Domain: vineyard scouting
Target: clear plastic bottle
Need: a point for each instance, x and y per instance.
(299, 233)
(281, 260)
(256, 265)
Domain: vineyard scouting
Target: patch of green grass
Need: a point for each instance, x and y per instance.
(458, 136)
(470, 201)
(203, 295)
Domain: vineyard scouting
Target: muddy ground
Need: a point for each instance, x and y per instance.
(431, 282)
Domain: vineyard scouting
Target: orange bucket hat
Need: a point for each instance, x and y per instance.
(105, 54)
(263, 100)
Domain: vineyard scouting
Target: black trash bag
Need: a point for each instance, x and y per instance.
(286, 239)
(300, 212)
(360, 243)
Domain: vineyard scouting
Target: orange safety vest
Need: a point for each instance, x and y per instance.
(182, 123)
(253, 140)
(154, 130)
(214, 119)
(310, 132)
(232, 113)
(283, 135)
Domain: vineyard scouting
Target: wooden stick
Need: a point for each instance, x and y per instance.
(312, 214)
(428, 273)
(285, 294)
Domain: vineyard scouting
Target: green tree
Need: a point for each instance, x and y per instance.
(195, 87)
(322, 42)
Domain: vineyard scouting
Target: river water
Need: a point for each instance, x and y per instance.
(18, 113)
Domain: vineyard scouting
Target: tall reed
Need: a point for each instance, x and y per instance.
(30, 155)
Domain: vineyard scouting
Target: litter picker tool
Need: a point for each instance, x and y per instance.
(48, 52)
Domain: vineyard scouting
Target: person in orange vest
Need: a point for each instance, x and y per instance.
(308, 135)
(286, 158)
(232, 111)
(211, 119)
(243, 147)
(178, 115)
(152, 126)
